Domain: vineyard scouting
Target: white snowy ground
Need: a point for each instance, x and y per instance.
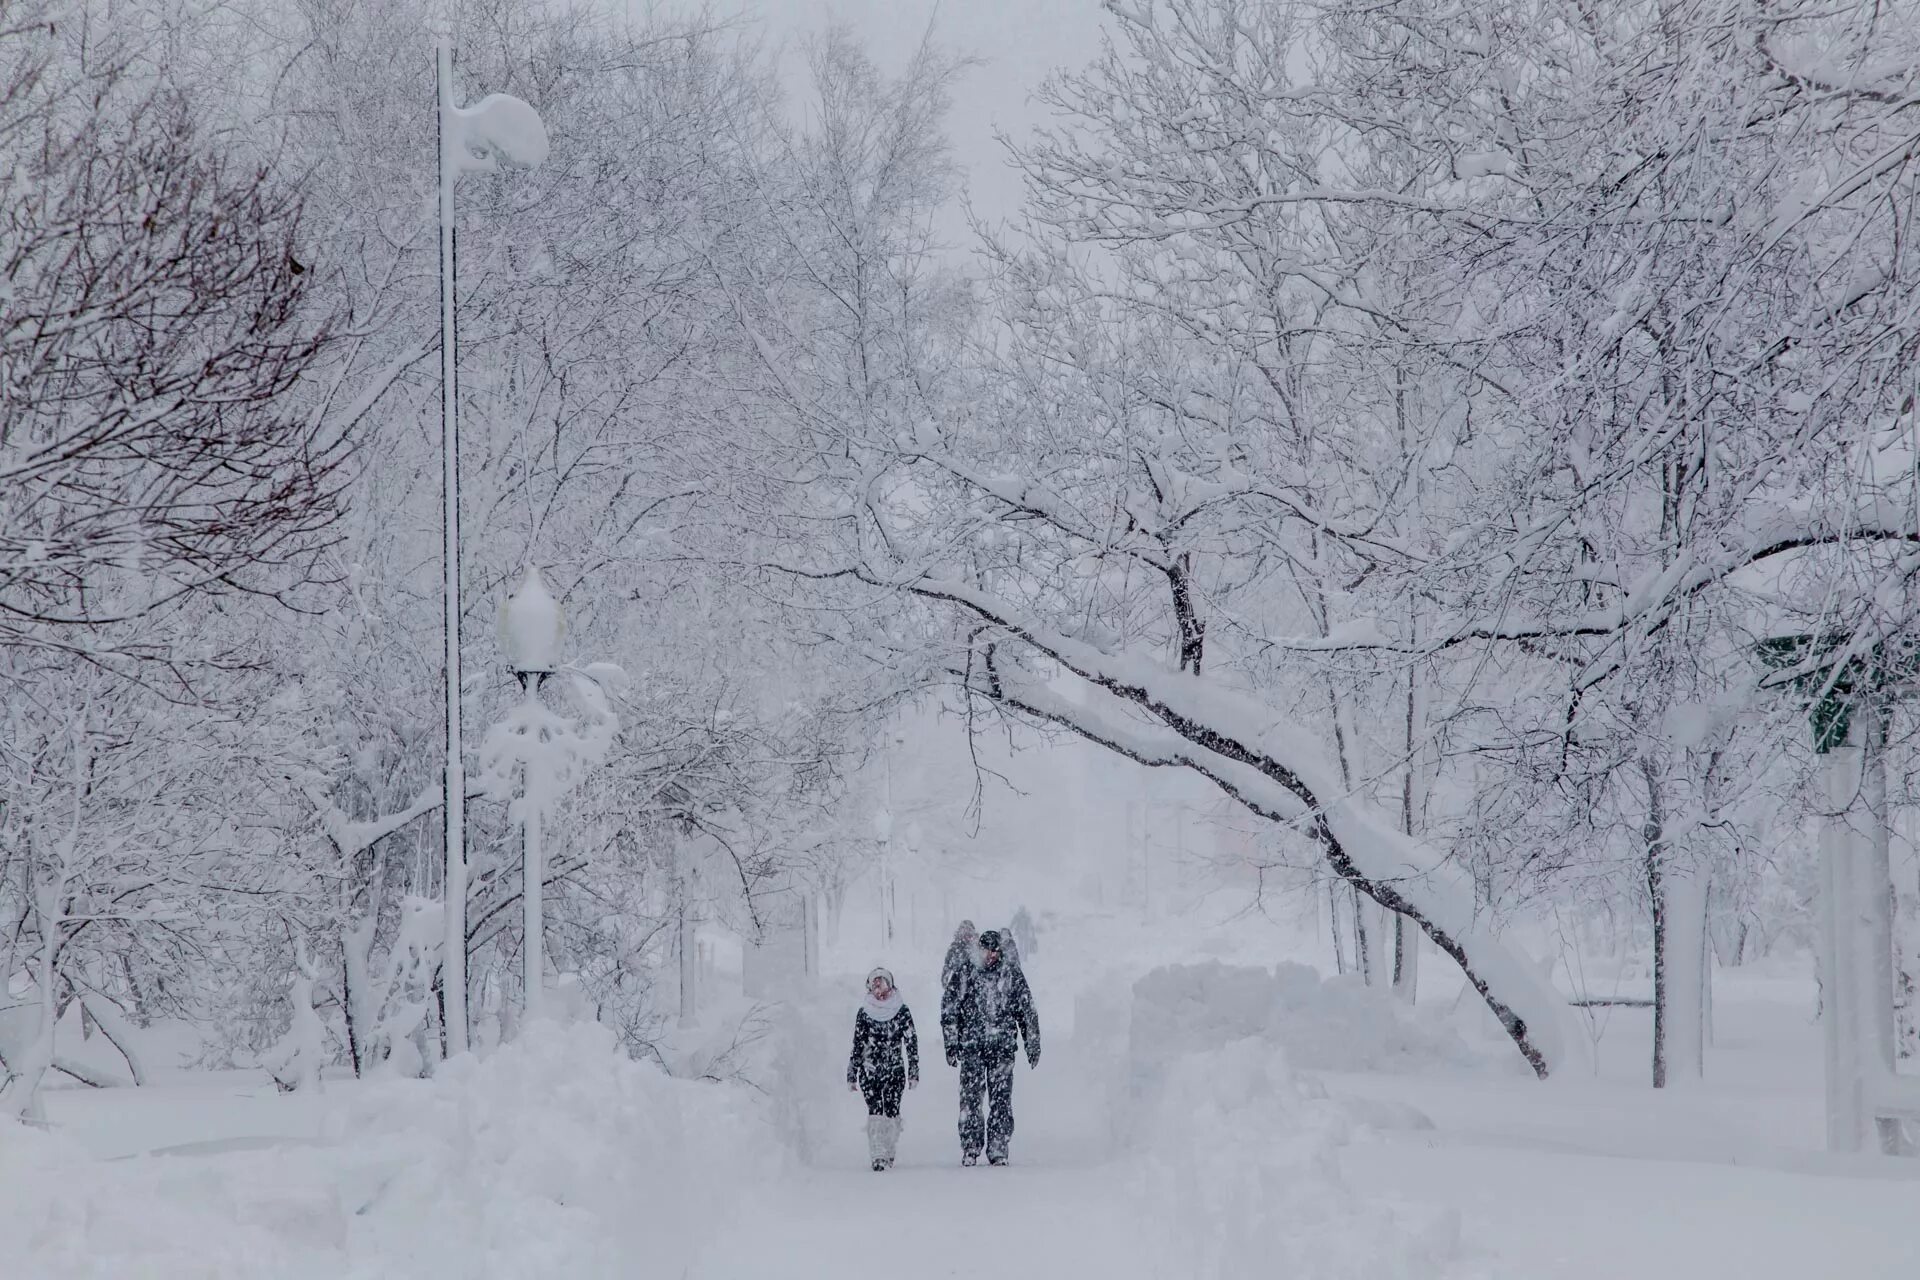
(1604, 1177)
(1055, 1211)
(1592, 1178)
(555, 1162)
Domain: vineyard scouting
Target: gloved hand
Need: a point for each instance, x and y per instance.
(913, 1082)
(953, 1058)
(853, 1087)
(1033, 1060)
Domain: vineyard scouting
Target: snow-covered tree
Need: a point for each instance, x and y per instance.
(156, 323)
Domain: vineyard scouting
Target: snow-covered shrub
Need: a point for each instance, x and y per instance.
(1239, 1170)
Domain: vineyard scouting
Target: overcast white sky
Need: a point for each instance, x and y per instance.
(1019, 42)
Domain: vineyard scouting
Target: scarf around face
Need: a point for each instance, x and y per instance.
(881, 1010)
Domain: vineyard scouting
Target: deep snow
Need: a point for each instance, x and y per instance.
(1306, 1130)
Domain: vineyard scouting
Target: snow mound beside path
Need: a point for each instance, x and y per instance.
(554, 1156)
(1239, 1169)
(64, 1213)
(1332, 1024)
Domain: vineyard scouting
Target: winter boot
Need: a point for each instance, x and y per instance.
(996, 1161)
(969, 1158)
(877, 1147)
(891, 1140)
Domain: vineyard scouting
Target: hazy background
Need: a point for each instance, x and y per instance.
(1018, 43)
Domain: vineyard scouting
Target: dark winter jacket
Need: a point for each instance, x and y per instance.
(959, 952)
(879, 1046)
(989, 1011)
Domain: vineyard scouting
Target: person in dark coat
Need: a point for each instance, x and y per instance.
(986, 1011)
(884, 1064)
(959, 952)
(1022, 935)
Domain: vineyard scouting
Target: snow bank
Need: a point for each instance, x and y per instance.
(1239, 1172)
(556, 1155)
(62, 1213)
(1333, 1024)
(1237, 1153)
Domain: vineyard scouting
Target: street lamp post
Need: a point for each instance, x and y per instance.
(541, 753)
(498, 130)
(531, 626)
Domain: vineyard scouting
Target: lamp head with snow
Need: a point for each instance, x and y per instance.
(499, 131)
(531, 627)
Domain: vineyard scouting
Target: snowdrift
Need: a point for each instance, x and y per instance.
(555, 1155)
(1239, 1169)
(1333, 1024)
(1237, 1152)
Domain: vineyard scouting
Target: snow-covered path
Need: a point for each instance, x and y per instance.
(1060, 1209)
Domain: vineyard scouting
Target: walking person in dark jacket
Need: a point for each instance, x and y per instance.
(885, 1062)
(986, 1010)
(959, 952)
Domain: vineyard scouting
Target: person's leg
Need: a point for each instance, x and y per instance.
(890, 1093)
(973, 1083)
(879, 1098)
(1000, 1106)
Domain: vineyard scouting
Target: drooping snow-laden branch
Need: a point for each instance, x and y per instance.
(1272, 767)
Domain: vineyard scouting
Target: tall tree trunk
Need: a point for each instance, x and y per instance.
(1678, 891)
(1413, 806)
(1406, 960)
(1336, 892)
(1362, 944)
(356, 976)
(689, 964)
(1680, 1004)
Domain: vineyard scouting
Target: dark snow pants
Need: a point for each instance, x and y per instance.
(882, 1093)
(989, 1072)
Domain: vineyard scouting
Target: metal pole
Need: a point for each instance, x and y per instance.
(533, 870)
(1840, 992)
(454, 952)
(1872, 911)
(689, 962)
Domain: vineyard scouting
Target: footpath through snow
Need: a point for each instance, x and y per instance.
(1178, 1127)
(1058, 1210)
(556, 1156)
(1164, 1134)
